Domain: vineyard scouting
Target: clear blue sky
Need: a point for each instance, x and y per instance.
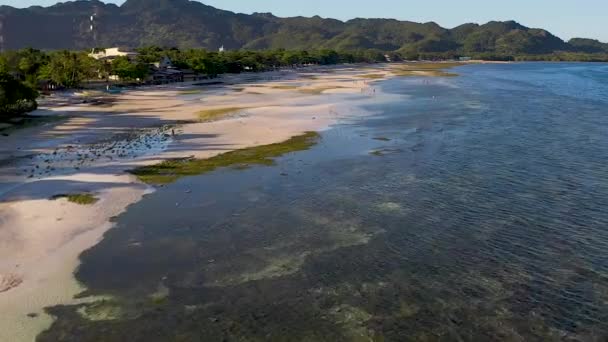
(565, 18)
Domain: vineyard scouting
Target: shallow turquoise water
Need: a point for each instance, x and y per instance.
(471, 208)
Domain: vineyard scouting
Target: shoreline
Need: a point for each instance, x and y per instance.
(92, 149)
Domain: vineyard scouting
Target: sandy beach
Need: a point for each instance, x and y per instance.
(89, 148)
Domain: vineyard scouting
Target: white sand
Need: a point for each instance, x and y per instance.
(40, 241)
(40, 238)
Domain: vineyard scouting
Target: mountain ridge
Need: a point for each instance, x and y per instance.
(192, 24)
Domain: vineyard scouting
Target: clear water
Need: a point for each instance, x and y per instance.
(472, 209)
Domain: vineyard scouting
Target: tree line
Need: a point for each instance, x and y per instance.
(23, 72)
(70, 69)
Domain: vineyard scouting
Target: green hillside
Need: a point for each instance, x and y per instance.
(188, 24)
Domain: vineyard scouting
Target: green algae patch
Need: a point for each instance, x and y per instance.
(407, 310)
(317, 90)
(353, 322)
(385, 151)
(275, 266)
(82, 199)
(161, 295)
(104, 310)
(285, 87)
(372, 76)
(171, 170)
(382, 139)
(425, 69)
(390, 207)
(285, 257)
(191, 92)
(209, 115)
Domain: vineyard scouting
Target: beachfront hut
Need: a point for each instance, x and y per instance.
(191, 75)
(164, 63)
(164, 71)
(162, 76)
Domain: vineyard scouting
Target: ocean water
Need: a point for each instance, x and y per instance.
(471, 208)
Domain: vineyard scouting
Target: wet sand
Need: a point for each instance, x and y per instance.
(92, 147)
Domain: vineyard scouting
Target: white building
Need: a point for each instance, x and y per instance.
(112, 53)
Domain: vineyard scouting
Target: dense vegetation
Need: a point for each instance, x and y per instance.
(70, 68)
(191, 24)
(214, 63)
(16, 98)
(23, 71)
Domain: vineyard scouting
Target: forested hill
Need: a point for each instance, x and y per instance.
(184, 23)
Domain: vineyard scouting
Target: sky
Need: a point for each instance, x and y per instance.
(564, 18)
